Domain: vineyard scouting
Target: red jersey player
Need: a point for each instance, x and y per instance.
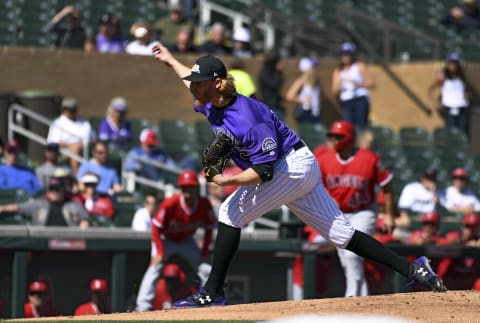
(173, 227)
(38, 304)
(98, 303)
(171, 287)
(350, 175)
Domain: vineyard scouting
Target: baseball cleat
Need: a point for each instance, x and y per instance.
(200, 299)
(422, 275)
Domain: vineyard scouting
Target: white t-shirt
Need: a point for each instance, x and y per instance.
(416, 198)
(66, 131)
(142, 220)
(348, 90)
(137, 48)
(456, 199)
(453, 93)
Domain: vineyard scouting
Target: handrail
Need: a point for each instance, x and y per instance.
(14, 127)
(383, 61)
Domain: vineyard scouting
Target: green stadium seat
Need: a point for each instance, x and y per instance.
(203, 132)
(414, 136)
(312, 134)
(124, 213)
(98, 220)
(179, 139)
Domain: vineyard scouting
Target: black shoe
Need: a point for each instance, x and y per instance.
(423, 277)
(200, 299)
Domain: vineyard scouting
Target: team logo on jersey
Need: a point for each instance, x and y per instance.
(196, 68)
(268, 144)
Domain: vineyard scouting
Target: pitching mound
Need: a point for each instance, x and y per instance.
(453, 306)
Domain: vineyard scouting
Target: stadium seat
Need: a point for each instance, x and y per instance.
(126, 204)
(178, 139)
(98, 220)
(10, 196)
(414, 137)
(312, 134)
(203, 133)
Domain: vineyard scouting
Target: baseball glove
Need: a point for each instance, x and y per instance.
(216, 156)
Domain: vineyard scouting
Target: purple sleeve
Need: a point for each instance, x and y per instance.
(261, 144)
(104, 131)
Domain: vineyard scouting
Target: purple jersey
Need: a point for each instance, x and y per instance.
(259, 136)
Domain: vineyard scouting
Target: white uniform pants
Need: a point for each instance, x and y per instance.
(297, 183)
(353, 267)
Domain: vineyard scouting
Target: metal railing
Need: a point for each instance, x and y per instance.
(14, 127)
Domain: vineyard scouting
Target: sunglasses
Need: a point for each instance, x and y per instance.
(55, 188)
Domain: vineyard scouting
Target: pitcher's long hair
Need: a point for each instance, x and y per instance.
(226, 92)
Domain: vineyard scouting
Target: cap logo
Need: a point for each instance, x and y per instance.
(196, 68)
(215, 74)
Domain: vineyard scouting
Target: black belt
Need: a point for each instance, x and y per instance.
(299, 145)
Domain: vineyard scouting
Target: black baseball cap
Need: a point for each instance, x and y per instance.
(205, 68)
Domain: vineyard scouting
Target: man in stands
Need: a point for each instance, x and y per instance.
(98, 303)
(47, 169)
(53, 209)
(109, 181)
(147, 149)
(458, 198)
(419, 197)
(95, 203)
(70, 132)
(12, 175)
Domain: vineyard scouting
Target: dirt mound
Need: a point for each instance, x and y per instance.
(453, 306)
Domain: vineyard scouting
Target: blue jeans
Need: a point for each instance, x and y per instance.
(459, 121)
(356, 111)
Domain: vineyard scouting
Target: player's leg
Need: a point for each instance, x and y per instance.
(247, 204)
(356, 283)
(318, 210)
(146, 292)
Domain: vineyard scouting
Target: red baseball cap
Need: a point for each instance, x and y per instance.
(148, 137)
(172, 270)
(98, 284)
(471, 219)
(431, 217)
(476, 285)
(12, 145)
(188, 178)
(38, 286)
(459, 173)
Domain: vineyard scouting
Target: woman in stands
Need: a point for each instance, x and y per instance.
(351, 82)
(453, 95)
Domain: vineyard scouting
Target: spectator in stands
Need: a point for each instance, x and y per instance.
(241, 43)
(216, 45)
(458, 198)
(428, 234)
(72, 35)
(115, 129)
(419, 197)
(143, 43)
(46, 170)
(454, 98)
(99, 303)
(466, 18)
(65, 176)
(461, 272)
(109, 38)
(142, 220)
(183, 43)
(270, 81)
(71, 132)
(109, 181)
(169, 27)
(173, 227)
(351, 82)
(38, 305)
(305, 92)
(12, 175)
(52, 209)
(171, 287)
(95, 203)
(148, 142)
(244, 83)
